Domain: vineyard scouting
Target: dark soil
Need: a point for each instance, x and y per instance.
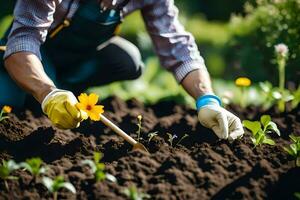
(201, 167)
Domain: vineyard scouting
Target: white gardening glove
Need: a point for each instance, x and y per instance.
(211, 115)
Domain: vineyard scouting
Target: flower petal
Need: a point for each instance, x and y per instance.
(83, 98)
(93, 99)
(98, 109)
(94, 116)
(81, 106)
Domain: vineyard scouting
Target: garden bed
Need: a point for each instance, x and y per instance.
(200, 167)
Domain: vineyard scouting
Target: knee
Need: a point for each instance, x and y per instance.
(130, 59)
(133, 64)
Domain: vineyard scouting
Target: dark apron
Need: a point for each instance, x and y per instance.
(71, 46)
(89, 28)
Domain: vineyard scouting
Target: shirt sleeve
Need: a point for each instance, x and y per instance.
(32, 19)
(175, 47)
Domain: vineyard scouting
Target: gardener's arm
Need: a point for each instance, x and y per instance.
(179, 54)
(32, 19)
(28, 72)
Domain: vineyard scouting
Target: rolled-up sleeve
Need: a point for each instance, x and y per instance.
(175, 47)
(32, 19)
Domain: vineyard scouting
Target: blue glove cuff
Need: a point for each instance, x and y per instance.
(207, 100)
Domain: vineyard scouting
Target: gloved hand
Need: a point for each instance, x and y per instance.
(59, 106)
(211, 115)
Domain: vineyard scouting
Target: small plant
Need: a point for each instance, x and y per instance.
(243, 83)
(98, 168)
(55, 185)
(296, 99)
(133, 194)
(151, 136)
(274, 95)
(294, 148)
(4, 110)
(172, 137)
(34, 166)
(261, 129)
(139, 124)
(6, 169)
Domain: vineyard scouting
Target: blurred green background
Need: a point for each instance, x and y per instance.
(236, 38)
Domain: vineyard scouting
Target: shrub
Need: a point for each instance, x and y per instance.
(266, 24)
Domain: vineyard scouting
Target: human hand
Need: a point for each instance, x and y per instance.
(211, 115)
(59, 106)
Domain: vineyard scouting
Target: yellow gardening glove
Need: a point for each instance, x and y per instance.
(59, 106)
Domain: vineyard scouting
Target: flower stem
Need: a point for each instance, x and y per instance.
(6, 185)
(243, 97)
(55, 196)
(281, 69)
(139, 130)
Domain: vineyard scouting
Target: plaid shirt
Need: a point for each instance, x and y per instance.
(175, 47)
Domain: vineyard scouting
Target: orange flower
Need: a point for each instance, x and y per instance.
(6, 109)
(88, 105)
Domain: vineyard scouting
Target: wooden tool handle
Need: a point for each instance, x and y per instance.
(116, 129)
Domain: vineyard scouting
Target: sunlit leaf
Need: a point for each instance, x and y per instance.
(254, 127)
(268, 141)
(265, 119)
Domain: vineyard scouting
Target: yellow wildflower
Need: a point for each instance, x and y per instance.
(6, 109)
(243, 82)
(88, 105)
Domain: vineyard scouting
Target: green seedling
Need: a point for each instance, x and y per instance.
(55, 185)
(151, 136)
(183, 137)
(6, 169)
(294, 148)
(4, 110)
(34, 166)
(296, 100)
(139, 124)
(172, 137)
(261, 129)
(97, 168)
(274, 95)
(133, 194)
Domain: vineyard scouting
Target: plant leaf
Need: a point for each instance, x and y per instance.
(253, 126)
(295, 138)
(69, 186)
(289, 151)
(111, 178)
(294, 149)
(253, 141)
(48, 183)
(91, 164)
(273, 127)
(100, 176)
(265, 119)
(97, 157)
(12, 165)
(268, 141)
